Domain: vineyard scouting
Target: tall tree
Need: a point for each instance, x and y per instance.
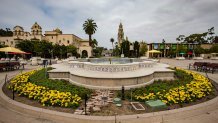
(2, 54)
(163, 41)
(136, 47)
(98, 51)
(112, 41)
(180, 38)
(210, 36)
(26, 45)
(6, 32)
(125, 48)
(117, 49)
(72, 49)
(90, 28)
(196, 38)
(94, 43)
(143, 49)
(214, 49)
(198, 50)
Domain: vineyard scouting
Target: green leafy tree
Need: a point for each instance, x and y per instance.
(125, 48)
(112, 42)
(117, 49)
(136, 47)
(56, 50)
(2, 54)
(90, 28)
(72, 49)
(26, 46)
(94, 43)
(98, 51)
(180, 38)
(181, 49)
(6, 32)
(214, 49)
(43, 47)
(63, 51)
(143, 49)
(172, 53)
(210, 37)
(198, 50)
(196, 38)
(215, 41)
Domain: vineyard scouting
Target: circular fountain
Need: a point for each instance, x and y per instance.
(111, 73)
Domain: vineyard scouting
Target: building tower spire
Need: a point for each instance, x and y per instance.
(120, 35)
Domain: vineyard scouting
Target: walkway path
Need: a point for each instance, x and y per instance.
(206, 117)
(9, 116)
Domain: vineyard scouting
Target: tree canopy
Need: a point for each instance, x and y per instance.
(46, 49)
(125, 48)
(198, 38)
(90, 28)
(6, 32)
(143, 49)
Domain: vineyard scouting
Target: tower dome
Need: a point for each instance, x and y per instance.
(58, 31)
(36, 29)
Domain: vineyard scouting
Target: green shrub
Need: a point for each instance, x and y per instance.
(61, 85)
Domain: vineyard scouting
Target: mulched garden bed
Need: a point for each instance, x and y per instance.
(111, 109)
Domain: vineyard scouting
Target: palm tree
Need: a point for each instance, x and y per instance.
(112, 41)
(94, 43)
(90, 27)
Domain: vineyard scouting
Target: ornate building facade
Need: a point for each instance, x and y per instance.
(120, 36)
(55, 36)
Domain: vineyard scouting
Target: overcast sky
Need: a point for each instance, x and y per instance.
(147, 20)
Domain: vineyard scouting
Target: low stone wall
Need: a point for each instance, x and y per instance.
(112, 83)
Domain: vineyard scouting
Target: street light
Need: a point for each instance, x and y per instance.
(115, 115)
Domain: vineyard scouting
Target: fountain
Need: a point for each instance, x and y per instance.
(111, 73)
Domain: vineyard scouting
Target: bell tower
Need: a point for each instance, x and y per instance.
(36, 29)
(120, 34)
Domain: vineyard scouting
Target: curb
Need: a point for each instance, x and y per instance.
(161, 116)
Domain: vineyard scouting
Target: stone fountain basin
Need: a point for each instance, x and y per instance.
(111, 67)
(111, 80)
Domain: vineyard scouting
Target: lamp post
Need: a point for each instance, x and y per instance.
(115, 116)
(51, 52)
(61, 53)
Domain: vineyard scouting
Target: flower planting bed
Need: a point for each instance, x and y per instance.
(191, 87)
(35, 86)
(187, 89)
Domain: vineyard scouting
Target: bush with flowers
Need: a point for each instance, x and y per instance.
(197, 88)
(44, 95)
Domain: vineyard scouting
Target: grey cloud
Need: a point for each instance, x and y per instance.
(150, 20)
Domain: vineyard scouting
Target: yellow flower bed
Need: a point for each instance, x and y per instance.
(198, 88)
(44, 95)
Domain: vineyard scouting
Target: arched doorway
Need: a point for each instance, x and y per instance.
(84, 54)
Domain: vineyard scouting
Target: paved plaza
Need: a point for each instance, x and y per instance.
(209, 115)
